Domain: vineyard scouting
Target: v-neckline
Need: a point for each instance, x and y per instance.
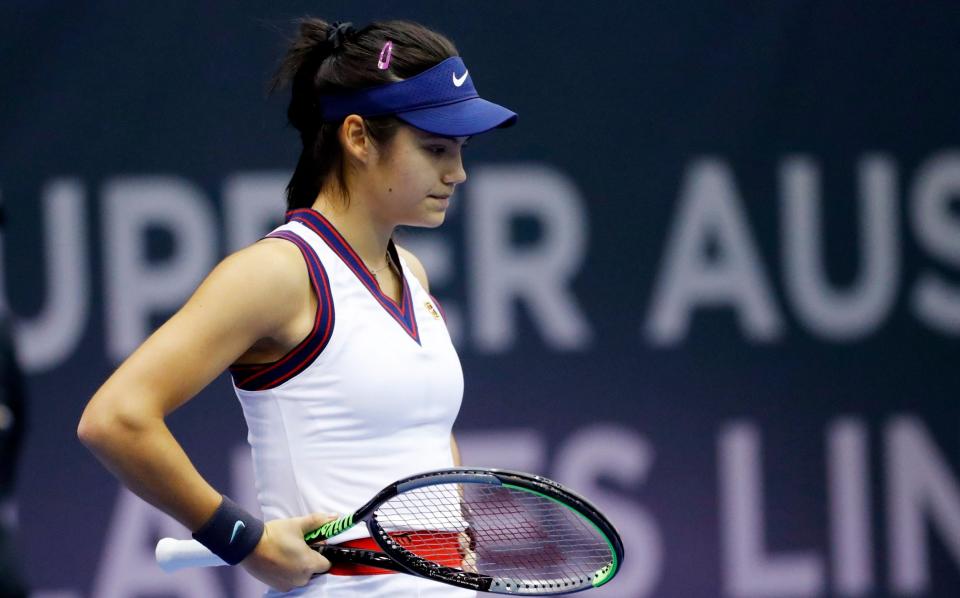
(403, 311)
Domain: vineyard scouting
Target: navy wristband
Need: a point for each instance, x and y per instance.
(231, 533)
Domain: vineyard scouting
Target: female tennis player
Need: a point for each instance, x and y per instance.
(339, 356)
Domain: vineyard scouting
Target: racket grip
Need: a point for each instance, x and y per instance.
(173, 555)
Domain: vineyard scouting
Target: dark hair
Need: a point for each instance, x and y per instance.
(323, 60)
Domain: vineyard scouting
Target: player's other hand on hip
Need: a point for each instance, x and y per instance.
(282, 559)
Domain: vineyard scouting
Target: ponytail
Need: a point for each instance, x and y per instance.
(304, 56)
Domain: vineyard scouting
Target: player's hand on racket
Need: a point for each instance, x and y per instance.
(282, 560)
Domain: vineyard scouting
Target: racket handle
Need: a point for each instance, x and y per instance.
(173, 555)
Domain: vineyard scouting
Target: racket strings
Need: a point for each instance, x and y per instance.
(496, 531)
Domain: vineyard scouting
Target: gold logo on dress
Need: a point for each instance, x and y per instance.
(433, 311)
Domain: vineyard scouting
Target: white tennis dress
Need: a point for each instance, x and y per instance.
(368, 397)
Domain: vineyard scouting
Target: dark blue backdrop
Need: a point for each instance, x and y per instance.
(710, 280)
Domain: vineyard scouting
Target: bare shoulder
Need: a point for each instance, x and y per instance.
(250, 295)
(416, 267)
(267, 262)
(282, 258)
(270, 277)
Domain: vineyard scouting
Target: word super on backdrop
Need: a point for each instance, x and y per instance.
(711, 280)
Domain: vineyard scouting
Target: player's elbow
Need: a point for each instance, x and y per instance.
(104, 425)
(93, 428)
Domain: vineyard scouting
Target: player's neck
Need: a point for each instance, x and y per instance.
(362, 231)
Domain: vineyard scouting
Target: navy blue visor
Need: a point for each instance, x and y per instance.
(441, 100)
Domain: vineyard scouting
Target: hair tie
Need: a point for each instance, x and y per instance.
(338, 33)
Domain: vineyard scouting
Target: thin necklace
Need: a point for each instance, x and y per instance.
(380, 269)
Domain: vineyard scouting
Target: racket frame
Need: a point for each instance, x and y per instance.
(398, 558)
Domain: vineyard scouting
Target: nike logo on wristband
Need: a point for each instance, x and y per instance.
(458, 81)
(239, 525)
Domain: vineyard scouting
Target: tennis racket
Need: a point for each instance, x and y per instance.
(483, 529)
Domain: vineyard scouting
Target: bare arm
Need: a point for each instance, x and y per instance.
(254, 294)
(455, 450)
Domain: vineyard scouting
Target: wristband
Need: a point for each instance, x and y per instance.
(231, 533)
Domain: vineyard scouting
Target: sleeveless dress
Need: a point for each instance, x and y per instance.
(370, 396)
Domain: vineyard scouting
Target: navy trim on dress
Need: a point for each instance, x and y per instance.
(402, 313)
(262, 376)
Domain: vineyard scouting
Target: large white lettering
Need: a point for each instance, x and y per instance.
(710, 214)
(857, 311)
(748, 570)
(49, 338)
(920, 487)
(937, 227)
(850, 526)
(136, 287)
(539, 274)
